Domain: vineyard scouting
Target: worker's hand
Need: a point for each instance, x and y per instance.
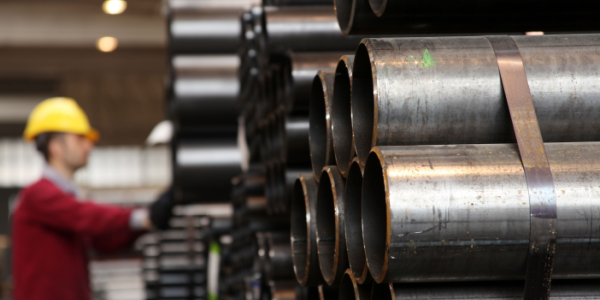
(161, 210)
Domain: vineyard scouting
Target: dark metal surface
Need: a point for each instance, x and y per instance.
(353, 229)
(476, 17)
(461, 212)
(296, 151)
(301, 71)
(307, 28)
(321, 142)
(303, 234)
(341, 114)
(328, 292)
(350, 289)
(280, 265)
(331, 236)
(562, 289)
(210, 30)
(297, 2)
(448, 90)
(205, 90)
(540, 185)
(203, 170)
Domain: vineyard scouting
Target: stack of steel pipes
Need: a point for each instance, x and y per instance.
(204, 37)
(418, 189)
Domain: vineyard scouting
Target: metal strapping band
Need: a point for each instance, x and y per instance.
(542, 197)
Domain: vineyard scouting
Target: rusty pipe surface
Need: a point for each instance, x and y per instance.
(331, 237)
(350, 289)
(300, 69)
(303, 231)
(509, 290)
(354, 239)
(321, 143)
(341, 114)
(461, 212)
(410, 91)
(475, 17)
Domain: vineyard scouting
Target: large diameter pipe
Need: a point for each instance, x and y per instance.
(331, 237)
(303, 231)
(205, 90)
(475, 16)
(350, 289)
(410, 91)
(301, 69)
(341, 114)
(203, 169)
(306, 28)
(354, 240)
(503, 290)
(321, 142)
(461, 212)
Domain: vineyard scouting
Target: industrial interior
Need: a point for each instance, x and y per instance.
(299, 150)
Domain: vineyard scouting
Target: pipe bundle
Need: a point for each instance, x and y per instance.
(416, 181)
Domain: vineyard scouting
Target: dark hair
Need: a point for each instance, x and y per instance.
(42, 141)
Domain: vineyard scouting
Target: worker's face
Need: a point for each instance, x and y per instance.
(71, 149)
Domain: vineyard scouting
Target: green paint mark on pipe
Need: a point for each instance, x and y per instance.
(428, 60)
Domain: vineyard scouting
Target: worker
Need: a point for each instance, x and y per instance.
(52, 227)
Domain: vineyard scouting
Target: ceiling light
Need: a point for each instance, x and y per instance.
(107, 44)
(114, 7)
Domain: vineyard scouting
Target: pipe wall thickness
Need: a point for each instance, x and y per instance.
(461, 212)
(410, 91)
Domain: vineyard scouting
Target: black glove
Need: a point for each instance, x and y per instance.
(161, 210)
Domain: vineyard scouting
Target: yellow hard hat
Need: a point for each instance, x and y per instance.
(59, 114)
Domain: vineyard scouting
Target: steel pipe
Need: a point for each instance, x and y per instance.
(487, 17)
(350, 289)
(209, 30)
(410, 91)
(300, 71)
(290, 176)
(356, 17)
(561, 289)
(296, 148)
(331, 237)
(354, 240)
(205, 90)
(283, 289)
(303, 234)
(280, 265)
(461, 212)
(321, 143)
(203, 169)
(341, 114)
(306, 28)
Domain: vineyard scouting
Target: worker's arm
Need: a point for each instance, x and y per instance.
(46, 204)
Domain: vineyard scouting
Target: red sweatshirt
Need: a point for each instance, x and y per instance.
(52, 232)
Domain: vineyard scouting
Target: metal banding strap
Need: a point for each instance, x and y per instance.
(540, 185)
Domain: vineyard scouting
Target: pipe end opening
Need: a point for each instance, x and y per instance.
(341, 118)
(317, 132)
(362, 103)
(326, 228)
(300, 239)
(375, 217)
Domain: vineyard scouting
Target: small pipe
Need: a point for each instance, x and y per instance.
(331, 237)
(354, 240)
(341, 114)
(321, 143)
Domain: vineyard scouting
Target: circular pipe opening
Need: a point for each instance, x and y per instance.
(354, 239)
(317, 127)
(374, 217)
(300, 231)
(378, 6)
(343, 11)
(347, 289)
(341, 111)
(382, 291)
(362, 103)
(326, 228)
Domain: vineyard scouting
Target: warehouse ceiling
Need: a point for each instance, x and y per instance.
(49, 48)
